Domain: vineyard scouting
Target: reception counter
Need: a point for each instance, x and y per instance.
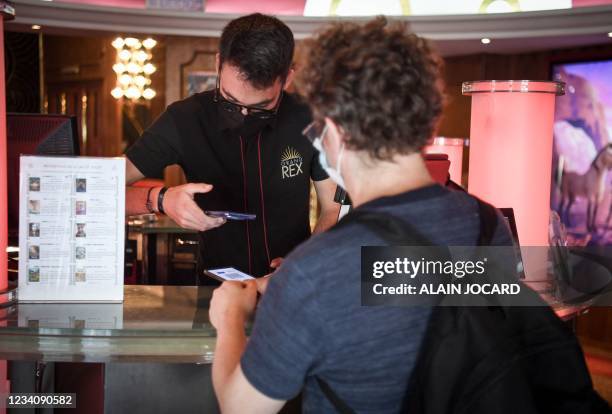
(154, 324)
(149, 354)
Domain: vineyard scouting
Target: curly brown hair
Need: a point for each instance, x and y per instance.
(378, 81)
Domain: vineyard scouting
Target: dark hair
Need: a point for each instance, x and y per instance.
(260, 46)
(378, 81)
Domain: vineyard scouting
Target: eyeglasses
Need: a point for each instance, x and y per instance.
(250, 110)
(314, 130)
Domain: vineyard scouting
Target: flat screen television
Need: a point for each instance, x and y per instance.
(582, 154)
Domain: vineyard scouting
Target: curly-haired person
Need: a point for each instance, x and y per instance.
(376, 96)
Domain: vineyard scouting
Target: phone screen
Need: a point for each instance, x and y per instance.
(228, 273)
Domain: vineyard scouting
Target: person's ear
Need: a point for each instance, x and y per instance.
(335, 134)
(289, 79)
(217, 63)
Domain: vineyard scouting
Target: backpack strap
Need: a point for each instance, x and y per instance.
(333, 398)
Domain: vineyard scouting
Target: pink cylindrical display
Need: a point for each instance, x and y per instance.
(511, 134)
(453, 147)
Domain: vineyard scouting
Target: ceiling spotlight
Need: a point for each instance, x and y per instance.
(485, 40)
(609, 34)
(35, 27)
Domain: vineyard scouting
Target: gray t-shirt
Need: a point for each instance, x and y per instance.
(310, 321)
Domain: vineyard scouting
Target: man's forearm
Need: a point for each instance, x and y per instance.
(231, 342)
(136, 200)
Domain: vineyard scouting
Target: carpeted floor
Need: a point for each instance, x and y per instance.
(599, 361)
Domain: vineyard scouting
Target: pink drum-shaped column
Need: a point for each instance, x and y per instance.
(511, 135)
(453, 147)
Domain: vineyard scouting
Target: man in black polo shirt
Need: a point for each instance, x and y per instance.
(242, 149)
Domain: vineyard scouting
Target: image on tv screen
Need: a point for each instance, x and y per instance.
(582, 155)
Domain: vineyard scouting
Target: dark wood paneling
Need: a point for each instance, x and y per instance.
(22, 72)
(180, 50)
(78, 68)
(455, 120)
(534, 66)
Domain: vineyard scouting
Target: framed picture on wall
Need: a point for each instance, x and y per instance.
(198, 73)
(200, 81)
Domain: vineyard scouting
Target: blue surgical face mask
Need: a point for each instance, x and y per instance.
(333, 173)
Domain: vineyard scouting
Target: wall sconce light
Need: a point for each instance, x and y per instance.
(133, 68)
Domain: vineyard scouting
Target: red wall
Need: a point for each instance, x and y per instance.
(4, 385)
(3, 200)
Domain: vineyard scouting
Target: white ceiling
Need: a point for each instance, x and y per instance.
(453, 35)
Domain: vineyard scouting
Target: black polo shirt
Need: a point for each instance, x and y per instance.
(267, 174)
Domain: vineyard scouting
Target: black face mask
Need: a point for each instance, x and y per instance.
(229, 120)
(239, 124)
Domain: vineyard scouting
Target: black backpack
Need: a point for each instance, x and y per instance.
(484, 360)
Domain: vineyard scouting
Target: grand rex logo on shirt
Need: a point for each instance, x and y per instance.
(291, 163)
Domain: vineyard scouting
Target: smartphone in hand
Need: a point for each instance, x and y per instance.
(230, 215)
(228, 273)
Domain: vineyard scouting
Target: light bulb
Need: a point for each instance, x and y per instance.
(142, 56)
(117, 43)
(125, 55)
(125, 80)
(135, 92)
(117, 93)
(149, 68)
(149, 43)
(133, 67)
(131, 42)
(140, 81)
(148, 93)
(132, 93)
(119, 68)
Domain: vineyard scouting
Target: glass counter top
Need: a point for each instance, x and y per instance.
(150, 224)
(162, 324)
(154, 323)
